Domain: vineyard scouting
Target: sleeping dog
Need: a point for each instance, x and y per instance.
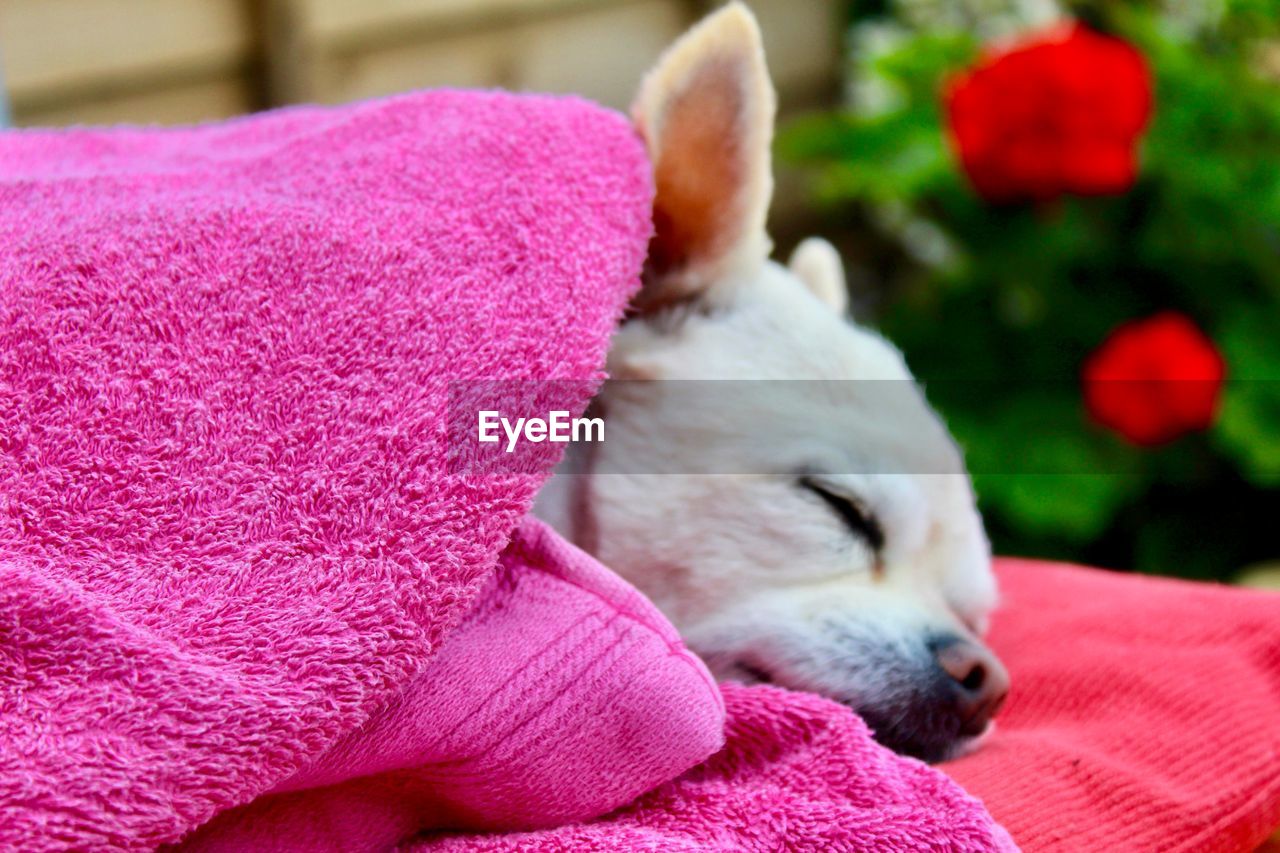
(818, 535)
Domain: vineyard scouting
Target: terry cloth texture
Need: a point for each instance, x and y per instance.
(228, 535)
(562, 695)
(1144, 713)
(798, 772)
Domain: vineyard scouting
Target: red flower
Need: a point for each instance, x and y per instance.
(1058, 112)
(1153, 380)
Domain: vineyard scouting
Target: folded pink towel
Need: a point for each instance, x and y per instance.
(228, 534)
(798, 773)
(563, 694)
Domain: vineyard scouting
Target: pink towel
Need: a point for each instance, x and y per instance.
(798, 773)
(227, 532)
(563, 694)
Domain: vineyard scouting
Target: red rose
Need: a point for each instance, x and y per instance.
(1155, 379)
(1058, 112)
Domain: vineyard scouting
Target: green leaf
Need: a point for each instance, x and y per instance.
(1039, 466)
(1248, 426)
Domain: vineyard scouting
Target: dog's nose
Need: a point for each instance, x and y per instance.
(980, 682)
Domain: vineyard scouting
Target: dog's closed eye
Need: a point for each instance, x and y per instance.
(860, 521)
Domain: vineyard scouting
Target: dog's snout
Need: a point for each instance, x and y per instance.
(978, 680)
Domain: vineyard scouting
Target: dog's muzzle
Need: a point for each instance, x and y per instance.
(959, 693)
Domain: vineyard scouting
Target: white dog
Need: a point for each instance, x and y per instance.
(820, 535)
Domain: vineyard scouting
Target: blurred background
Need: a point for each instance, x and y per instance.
(1039, 201)
(169, 61)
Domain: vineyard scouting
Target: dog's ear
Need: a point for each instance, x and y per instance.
(706, 114)
(817, 263)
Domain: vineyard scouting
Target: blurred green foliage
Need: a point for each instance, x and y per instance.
(1017, 297)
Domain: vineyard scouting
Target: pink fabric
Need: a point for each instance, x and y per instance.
(798, 773)
(564, 694)
(228, 535)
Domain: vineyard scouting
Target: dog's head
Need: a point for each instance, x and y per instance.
(823, 534)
